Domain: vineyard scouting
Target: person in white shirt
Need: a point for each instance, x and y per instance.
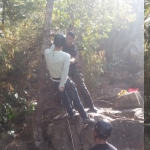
(58, 63)
(74, 72)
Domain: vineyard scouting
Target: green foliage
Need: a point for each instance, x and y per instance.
(92, 21)
(147, 75)
(146, 8)
(22, 28)
(92, 65)
(147, 55)
(98, 15)
(14, 110)
(20, 32)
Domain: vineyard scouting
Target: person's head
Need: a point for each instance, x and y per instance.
(70, 38)
(59, 40)
(102, 130)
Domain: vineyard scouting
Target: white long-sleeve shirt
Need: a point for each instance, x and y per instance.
(58, 63)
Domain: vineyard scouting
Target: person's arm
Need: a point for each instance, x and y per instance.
(48, 49)
(52, 47)
(64, 74)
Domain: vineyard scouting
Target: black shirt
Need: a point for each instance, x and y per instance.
(106, 146)
(72, 50)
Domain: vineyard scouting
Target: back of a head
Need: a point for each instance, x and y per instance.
(103, 128)
(59, 40)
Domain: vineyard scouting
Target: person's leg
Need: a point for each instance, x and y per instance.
(79, 81)
(73, 94)
(66, 103)
(65, 99)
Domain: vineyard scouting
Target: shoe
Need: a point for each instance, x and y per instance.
(88, 120)
(93, 109)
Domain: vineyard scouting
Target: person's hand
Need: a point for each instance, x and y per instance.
(72, 60)
(61, 88)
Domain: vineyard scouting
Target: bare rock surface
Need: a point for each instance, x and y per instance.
(129, 100)
(127, 133)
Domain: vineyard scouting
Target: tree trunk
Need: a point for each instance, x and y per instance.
(37, 135)
(3, 13)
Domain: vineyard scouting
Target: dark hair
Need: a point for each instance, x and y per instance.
(71, 33)
(100, 136)
(59, 40)
(103, 128)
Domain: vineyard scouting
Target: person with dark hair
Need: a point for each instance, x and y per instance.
(74, 73)
(58, 63)
(102, 131)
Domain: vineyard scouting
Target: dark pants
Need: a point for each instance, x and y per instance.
(70, 92)
(79, 81)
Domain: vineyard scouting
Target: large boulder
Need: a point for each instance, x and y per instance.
(133, 56)
(129, 100)
(132, 113)
(127, 134)
(107, 93)
(139, 115)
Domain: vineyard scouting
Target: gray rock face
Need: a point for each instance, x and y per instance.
(127, 134)
(139, 115)
(129, 100)
(5, 139)
(139, 79)
(133, 56)
(109, 93)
